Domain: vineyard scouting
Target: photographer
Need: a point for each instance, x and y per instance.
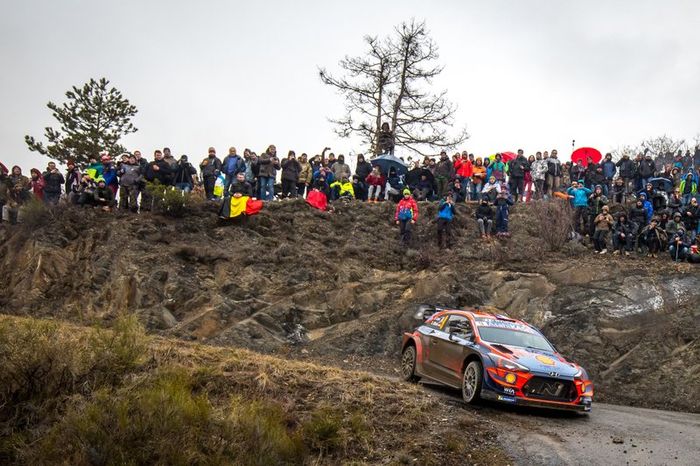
(184, 175)
(53, 180)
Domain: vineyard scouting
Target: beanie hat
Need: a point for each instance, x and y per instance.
(406, 191)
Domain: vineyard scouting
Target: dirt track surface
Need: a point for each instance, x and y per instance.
(609, 435)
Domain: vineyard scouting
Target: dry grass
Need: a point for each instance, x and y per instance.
(112, 397)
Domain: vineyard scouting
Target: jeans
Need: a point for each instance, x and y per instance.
(485, 226)
(209, 182)
(301, 189)
(128, 198)
(443, 234)
(186, 187)
(476, 191)
(267, 188)
(289, 188)
(678, 253)
(600, 240)
(516, 186)
(374, 192)
(579, 219)
(620, 243)
(539, 189)
(405, 229)
(552, 183)
(51, 198)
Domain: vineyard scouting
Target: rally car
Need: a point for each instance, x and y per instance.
(491, 356)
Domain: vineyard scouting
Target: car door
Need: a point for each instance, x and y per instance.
(426, 332)
(447, 350)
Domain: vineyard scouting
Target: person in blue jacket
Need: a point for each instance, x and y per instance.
(648, 206)
(446, 213)
(502, 204)
(578, 194)
(609, 170)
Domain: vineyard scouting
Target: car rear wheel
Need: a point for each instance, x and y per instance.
(471, 382)
(408, 364)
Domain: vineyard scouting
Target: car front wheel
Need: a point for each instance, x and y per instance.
(471, 382)
(408, 364)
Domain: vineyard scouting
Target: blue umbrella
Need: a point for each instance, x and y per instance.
(661, 184)
(387, 161)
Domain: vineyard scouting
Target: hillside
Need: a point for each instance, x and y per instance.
(337, 288)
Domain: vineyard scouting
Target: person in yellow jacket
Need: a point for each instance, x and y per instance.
(342, 188)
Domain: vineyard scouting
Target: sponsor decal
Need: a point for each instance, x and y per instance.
(509, 391)
(554, 374)
(546, 360)
(508, 399)
(504, 324)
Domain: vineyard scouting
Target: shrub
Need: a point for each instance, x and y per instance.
(170, 200)
(553, 223)
(35, 214)
(323, 430)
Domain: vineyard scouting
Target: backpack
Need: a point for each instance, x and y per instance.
(405, 213)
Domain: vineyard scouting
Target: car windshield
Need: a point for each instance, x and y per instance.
(506, 336)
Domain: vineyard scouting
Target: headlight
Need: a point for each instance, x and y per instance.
(578, 373)
(507, 363)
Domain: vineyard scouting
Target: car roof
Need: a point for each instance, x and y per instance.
(478, 313)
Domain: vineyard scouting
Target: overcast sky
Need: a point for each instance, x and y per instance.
(525, 74)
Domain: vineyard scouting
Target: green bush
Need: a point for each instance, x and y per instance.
(170, 200)
(323, 430)
(34, 214)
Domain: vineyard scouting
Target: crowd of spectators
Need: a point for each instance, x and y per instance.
(656, 195)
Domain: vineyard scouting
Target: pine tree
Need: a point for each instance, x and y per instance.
(92, 120)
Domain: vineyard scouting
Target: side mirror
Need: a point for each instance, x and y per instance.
(424, 312)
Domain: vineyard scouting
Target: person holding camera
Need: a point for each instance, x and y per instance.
(185, 175)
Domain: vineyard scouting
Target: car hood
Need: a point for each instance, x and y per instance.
(538, 360)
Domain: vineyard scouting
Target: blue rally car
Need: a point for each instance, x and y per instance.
(492, 356)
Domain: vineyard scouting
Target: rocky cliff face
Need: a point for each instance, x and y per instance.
(338, 284)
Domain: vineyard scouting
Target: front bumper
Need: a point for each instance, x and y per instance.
(584, 404)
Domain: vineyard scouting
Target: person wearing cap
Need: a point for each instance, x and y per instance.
(406, 215)
(679, 245)
(648, 206)
(210, 169)
(623, 235)
(185, 175)
(446, 213)
(129, 181)
(603, 223)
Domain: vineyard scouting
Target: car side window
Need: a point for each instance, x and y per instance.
(460, 325)
(437, 323)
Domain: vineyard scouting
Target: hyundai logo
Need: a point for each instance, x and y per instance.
(554, 374)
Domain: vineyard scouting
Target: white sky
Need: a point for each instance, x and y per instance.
(525, 74)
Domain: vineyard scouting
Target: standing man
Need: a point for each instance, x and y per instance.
(269, 164)
(444, 171)
(539, 173)
(53, 180)
(232, 165)
(158, 170)
(554, 173)
(609, 170)
(517, 168)
(626, 171)
(446, 212)
(210, 168)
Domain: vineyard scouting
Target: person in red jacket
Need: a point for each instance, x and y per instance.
(375, 181)
(37, 183)
(406, 215)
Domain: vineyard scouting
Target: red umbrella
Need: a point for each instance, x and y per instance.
(507, 156)
(582, 155)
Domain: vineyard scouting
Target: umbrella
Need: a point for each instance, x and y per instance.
(662, 184)
(583, 153)
(387, 161)
(505, 157)
(3, 168)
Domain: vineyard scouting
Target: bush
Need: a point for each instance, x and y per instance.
(170, 200)
(165, 423)
(552, 222)
(34, 214)
(323, 430)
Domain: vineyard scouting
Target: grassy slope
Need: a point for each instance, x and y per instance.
(78, 395)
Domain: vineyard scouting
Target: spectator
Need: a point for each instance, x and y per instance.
(478, 178)
(653, 237)
(517, 168)
(503, 203)
(168, 157)
(464, 170)
(484, 218)
(104, 196)
(305, 176)
(623, 235)
(596, 202)
(528, 179)
(341, 169)
(239, 187)
(157, 171)
(231, 166)
(457, 190)
(4, 190)
(694, 255)
(36, 182)
(405, 216)
(679, 245)
(648, 207)
(269, 164)
(538, 173)
(688, 188)
(73, 179)
(626, 170)
(554, 173)
(393, 186)
(86, 193)
(19, 187)
(385, 140)
(619, 192)
(691, 218)
(646, 169)
(424, 188)
(53, 181)
(342, 189)
(375, 181)
(320, 184)
(363, 168)
(129, 181)
(109, 173)
(446, 212)
(290, 175)
(579, 195)
(210, 169)
(675, 224)
(444, 171)
(359, 188)
(609, 170)
(603, 223)
(413, 175)
(184, 175)
(491, 189)
(497, 168)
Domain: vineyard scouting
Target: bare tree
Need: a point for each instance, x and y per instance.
(663, 145)
(390, 83)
